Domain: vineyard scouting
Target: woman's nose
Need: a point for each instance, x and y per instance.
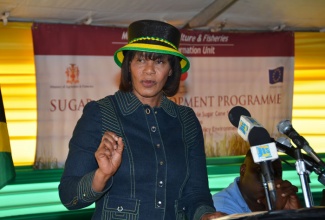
(150, 67)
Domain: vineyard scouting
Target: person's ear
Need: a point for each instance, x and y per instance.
(242, 169)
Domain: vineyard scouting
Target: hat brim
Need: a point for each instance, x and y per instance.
(152, 48)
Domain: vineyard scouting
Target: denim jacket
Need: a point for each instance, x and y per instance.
(163, 173)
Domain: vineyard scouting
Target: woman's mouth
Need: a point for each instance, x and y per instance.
(148, 83)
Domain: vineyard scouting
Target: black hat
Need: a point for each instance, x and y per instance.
(153, 36)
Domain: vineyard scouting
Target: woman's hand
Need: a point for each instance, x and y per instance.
(109, 158)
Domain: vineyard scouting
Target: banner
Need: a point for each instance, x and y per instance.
(7, 169)
(74, 64)
(253, 70)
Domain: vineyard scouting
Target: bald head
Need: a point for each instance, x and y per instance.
(255, 167)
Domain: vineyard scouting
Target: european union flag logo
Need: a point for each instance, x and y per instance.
(276, 75)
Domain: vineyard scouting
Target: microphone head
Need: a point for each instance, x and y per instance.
(284, 141)
(258, 136)
(235, 113)
(284, 126)
(262, 147)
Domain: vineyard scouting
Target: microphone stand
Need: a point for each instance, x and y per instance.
(267, 193)
(304, 178)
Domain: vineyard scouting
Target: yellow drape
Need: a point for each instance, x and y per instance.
(308, 116)
(17, 79)
(18, 86)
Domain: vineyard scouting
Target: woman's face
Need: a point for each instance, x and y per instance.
(148, 77)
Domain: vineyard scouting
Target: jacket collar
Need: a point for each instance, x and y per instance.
(128, 103)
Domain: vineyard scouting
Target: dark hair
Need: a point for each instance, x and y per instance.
(172, 83)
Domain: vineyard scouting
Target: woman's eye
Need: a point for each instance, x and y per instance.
(159, 61)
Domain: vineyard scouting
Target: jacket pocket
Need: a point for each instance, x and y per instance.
(180, 210)
(121, 208)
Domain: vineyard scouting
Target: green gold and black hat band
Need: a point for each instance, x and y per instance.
(160, 40)
(151, 48)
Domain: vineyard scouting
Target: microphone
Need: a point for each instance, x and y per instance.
(283, 145)
(262, 148)
(235, 113)
(285, 127)
(283, 141)
(240, 118)
(264, 152)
